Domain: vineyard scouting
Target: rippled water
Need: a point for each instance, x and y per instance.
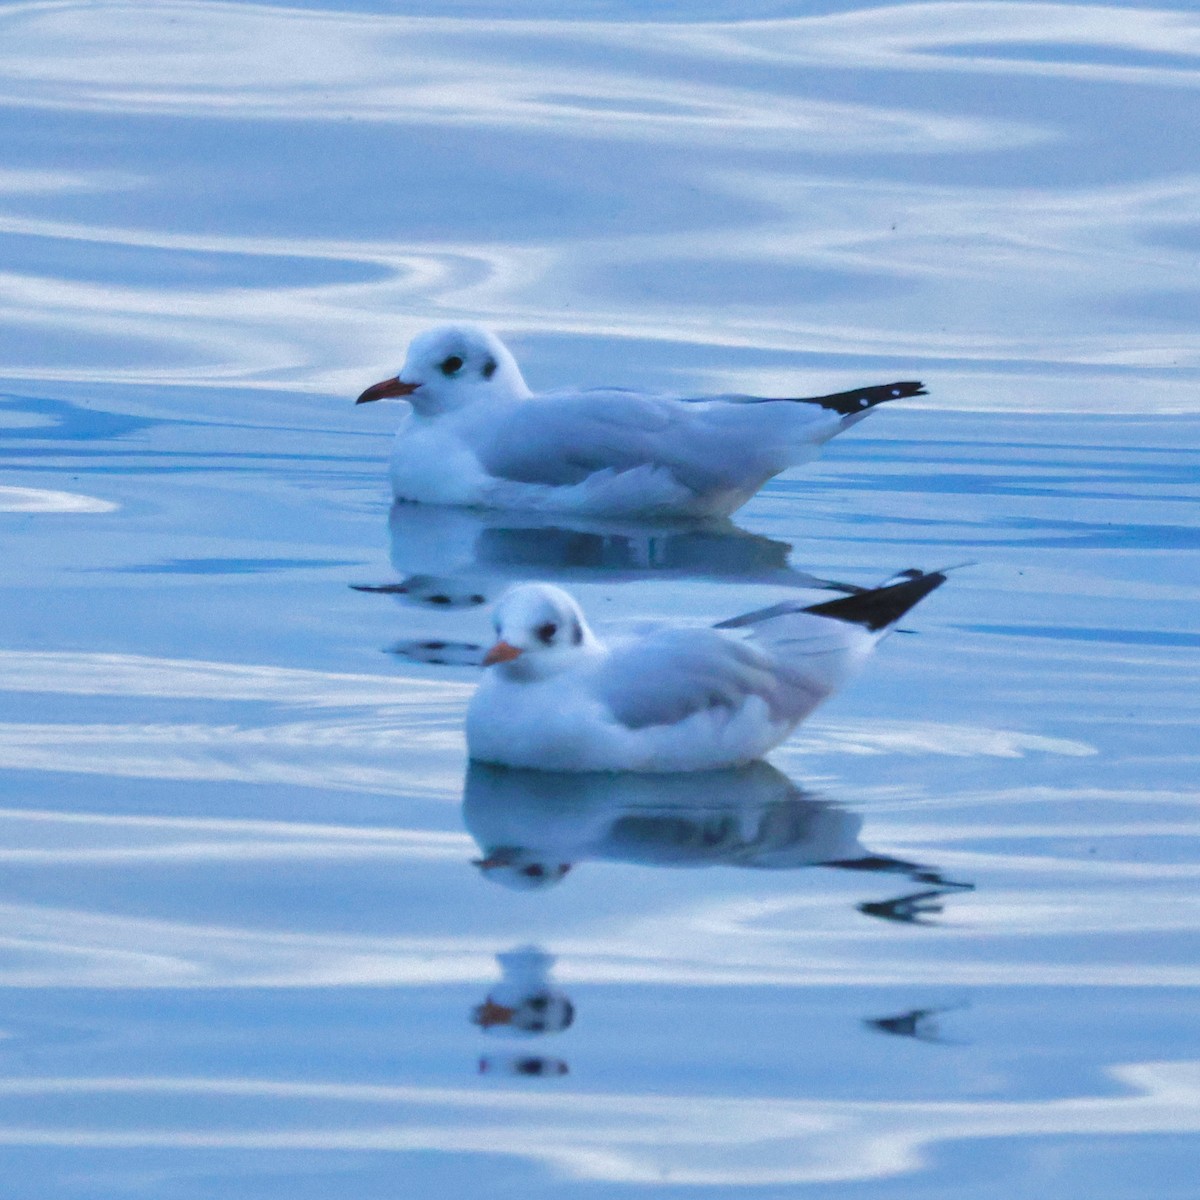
(944, 944)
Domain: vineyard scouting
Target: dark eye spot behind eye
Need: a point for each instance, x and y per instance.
(546, 632)
(489, 368)
(451, 365)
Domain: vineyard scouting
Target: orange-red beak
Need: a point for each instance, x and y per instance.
(501, 652)
(387, 389)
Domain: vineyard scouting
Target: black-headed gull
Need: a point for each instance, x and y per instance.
(477, 436)
(675, 698)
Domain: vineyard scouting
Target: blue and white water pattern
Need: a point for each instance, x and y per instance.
(944, 944)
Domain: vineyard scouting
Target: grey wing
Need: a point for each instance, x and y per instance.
(666, 676)
(562, 438)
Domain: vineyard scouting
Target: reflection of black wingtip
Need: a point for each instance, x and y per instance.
(863, 399)
(918, 1023)
(912, 909)
(882, 606)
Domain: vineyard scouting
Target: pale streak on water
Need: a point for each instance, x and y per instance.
(242, 938)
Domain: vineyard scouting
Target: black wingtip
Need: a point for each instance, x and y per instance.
(863, 399)
(881, 606)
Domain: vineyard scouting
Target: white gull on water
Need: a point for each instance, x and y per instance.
(674, 698)
(476, 435)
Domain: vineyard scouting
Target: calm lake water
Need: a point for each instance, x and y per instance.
(944, 944)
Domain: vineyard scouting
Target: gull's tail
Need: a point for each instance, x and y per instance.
(815, 649)
(873, 608)
(860, 400)
(883, 606)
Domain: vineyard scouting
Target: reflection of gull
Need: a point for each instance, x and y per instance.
(456, 556)
(526, 1000)
(476, 435)
(912, 909)
(533, 825)
(674, 698)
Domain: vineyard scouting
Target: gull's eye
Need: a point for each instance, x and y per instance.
(546, 632)
(533, 871)
(489, 368)
(451, 365)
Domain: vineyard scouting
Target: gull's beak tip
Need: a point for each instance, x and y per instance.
(386, 389)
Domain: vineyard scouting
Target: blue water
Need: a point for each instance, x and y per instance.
(943, 945)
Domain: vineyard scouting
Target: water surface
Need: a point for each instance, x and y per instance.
(944, 944)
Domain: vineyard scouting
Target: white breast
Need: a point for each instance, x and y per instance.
(550, 727)
(432, 465)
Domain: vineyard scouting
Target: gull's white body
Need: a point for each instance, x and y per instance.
(477, 436)
(671, 699)
(440, 459)
(543, 727)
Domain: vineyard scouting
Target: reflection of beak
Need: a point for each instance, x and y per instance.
(387, 389)
(499, 859)
(500, 652)
(490, 1013)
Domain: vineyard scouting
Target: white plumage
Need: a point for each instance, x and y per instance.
(477, 436)
(674, 698)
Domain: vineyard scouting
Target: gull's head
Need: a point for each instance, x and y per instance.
(540, 630)
(451, 367)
